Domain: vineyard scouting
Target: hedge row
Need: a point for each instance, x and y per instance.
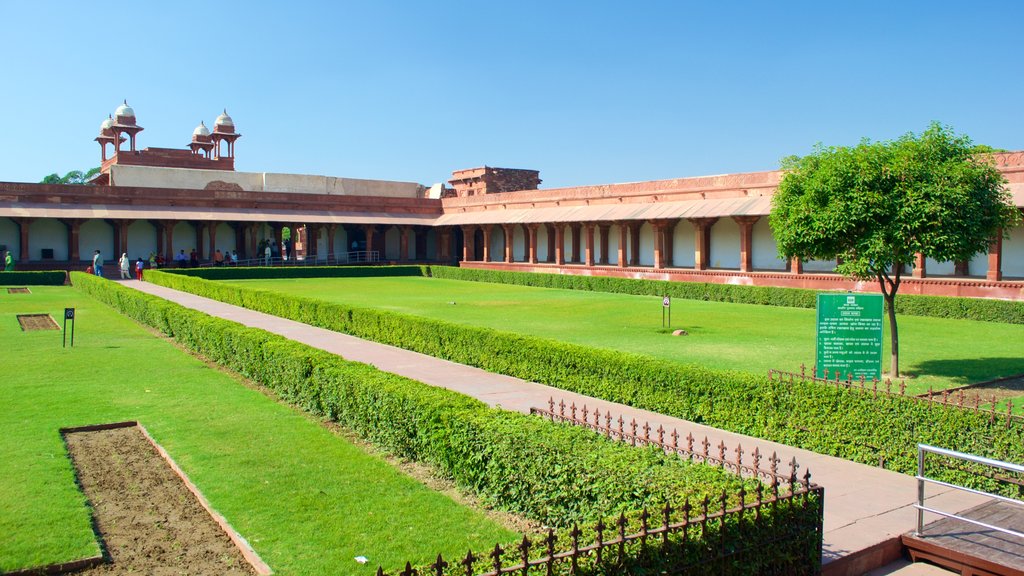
(1006, 311)
(846, 423)
(548, 472)
(553, 474)
(33, 278)
(273, 272)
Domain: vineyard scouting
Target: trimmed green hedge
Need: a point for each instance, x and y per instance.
(1006, 311)
(551, 473)
(268, 272)
(846, 423)
(548, 472)
(33, 278)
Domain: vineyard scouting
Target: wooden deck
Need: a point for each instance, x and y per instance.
(970, 549)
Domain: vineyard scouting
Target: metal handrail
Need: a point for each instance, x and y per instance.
(922, 450)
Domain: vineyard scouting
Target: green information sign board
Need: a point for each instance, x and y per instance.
(850, 335)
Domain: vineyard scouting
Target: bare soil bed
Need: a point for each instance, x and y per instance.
(150, 523)
(18, 291)
(37, 322)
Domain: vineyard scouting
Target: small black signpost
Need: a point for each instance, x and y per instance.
(666, 306)
(69, 314)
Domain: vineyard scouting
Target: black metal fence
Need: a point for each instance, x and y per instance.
(775, 529)
(956, 399)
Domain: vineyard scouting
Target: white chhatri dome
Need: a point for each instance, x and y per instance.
(201, 130)
(224, 120)
(125, 110)
(106, 125)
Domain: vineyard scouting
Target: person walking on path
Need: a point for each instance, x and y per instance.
(125, 266)
(266, 255)
(97, 264)
(138, 269)
(8, 262)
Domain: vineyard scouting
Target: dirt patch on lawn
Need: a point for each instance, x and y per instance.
(149, 522)
(18, 291)
(37, 322)
(1000, 389)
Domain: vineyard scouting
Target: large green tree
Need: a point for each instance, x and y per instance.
(73, 177)
(878, 204)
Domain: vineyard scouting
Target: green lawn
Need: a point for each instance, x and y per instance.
(939, 352)
(307, 500)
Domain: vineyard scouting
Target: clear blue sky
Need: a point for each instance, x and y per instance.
(586, 92)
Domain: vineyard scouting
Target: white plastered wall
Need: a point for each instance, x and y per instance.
(391, 239)
(613, 245)
(646, 244)
(225, 238)
(431, 241)
(141, 239)
(184, 238)
(341, 243)
(1013, 254)
(764, 249)
(820, 266)
(10, 236)
(497, 243)
(518, 243)
(684, 252)
(725, 245)
(978, 266)
(542, 243)
(95, 235)
(50, 233)
(936, 268)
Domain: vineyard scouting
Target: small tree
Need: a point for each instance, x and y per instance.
(877, 205)
(73, 177)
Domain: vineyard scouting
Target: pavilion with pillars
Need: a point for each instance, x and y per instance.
(708, 229)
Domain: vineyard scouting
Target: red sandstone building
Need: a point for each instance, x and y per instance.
(710, 229)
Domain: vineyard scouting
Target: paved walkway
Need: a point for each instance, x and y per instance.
(864, 506)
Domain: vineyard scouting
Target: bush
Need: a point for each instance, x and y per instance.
(551, 473)
(1006, 311)
(33, 278)
(843, 422)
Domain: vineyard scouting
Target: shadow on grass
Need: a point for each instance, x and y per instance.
(970, 370)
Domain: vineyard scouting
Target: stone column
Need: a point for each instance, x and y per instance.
(575, 242)
(668, 233)
(509, 238)
(468, 241)
(588, 254)
(603, 242)
(23, 226)
(403, 244)
(746, 224)
(961, 268)
(487, 242)
(919, 266)
(634, 244)
(211, 235)
(559, 244)
(442, 251)
(332, 230)
(420, 233)
(796, 266)
(159, 225)
(532, 235)
(239, 229)
(659, 245)
(74, 227)
(623, 239)
(995, 258)
(702, 241)
(369, 242)
(169, 249)
(253, 242)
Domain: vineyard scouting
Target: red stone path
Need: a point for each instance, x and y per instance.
(866, 508)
